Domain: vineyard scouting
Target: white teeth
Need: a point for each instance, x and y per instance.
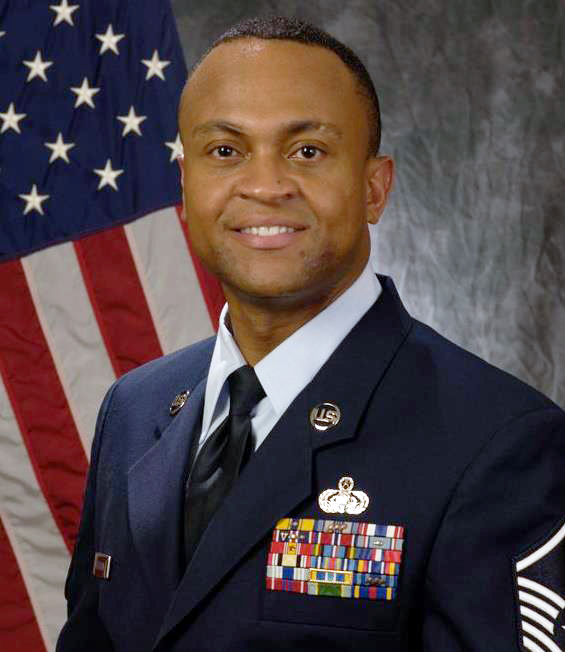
(267, 230)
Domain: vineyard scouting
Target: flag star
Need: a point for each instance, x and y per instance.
(108, 176)
(84, 93)
(59, 149)
(2, 34)
(64, 12)
(11, 119)
(155, 66)
(176, 148)
(131, 122)
(109, 40)
(34, 201)
(37, 67)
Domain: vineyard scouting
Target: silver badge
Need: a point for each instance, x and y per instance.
(178, 402)
(343, 500)
(325, 416)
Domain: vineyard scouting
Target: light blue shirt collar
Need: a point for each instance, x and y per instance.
(288, 368)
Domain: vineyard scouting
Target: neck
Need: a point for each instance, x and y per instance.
(258, 327)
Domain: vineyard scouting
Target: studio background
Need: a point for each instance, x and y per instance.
(472, 109)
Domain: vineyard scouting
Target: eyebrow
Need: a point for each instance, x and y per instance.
(287, 129)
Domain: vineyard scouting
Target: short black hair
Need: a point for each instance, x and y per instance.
(292, 29)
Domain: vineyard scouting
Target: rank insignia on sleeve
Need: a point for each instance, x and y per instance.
(540, 589)
(342, 559)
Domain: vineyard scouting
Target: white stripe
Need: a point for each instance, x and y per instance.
(530, 645)
(555, 540)
(541, 637)
(168, 278)
(533, 615)
(68, 322)
(539, 603)
(37, 543)
(540, 588)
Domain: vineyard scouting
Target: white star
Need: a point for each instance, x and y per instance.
(155, 66)
(2, 34)
(33, 201)
(84, 93)
(37, 67)
(64, 12)
(109, 40)
(59, 149)
(108, 176)
(131, 122)
(176, 148)
(11, 119)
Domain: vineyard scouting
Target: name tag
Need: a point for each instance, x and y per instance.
(101, 565)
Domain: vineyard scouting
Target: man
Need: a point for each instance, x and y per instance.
(328, 473)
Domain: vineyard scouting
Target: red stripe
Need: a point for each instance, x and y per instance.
(118, 299)
(393, 555)
(39, 402)
(209, 284)
(18, 627)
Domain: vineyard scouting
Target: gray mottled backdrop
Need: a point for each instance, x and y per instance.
(472, 97)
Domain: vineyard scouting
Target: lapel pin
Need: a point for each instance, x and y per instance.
(101, 566)
(343, 500)
(178, 402)
(325, 416)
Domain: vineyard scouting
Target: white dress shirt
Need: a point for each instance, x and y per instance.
(288, 368)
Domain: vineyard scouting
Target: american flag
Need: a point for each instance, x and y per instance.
(96, 276)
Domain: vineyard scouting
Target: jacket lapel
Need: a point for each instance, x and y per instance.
(278, 476)
(155, 491)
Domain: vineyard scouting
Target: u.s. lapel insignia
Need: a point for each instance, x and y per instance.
(325, 416)
(343, 500)
(178, 402)
(540, 584)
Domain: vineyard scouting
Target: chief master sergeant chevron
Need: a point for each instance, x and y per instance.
(327, 473)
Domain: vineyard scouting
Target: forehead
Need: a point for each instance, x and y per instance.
(269, 81)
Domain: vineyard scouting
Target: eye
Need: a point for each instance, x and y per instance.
(309, 152)
(223, 151)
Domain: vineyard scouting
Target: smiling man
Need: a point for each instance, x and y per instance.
(278, 183)
(327, 473)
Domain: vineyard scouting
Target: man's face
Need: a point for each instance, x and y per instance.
(276, 177)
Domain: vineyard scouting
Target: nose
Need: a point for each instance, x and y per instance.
(265, 178)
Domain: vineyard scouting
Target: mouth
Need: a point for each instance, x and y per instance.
(268, 236)
(267, 231)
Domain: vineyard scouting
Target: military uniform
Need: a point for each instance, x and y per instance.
(411, 497)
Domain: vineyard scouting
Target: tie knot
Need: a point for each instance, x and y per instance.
(245, 390)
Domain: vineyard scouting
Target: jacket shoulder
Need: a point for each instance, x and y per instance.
(467, 382)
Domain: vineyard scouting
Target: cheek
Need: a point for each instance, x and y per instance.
(201, 201)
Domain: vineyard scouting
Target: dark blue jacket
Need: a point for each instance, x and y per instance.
(469, 460)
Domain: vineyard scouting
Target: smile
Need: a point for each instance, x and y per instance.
(267, 230)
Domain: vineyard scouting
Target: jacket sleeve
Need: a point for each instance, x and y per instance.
(509, 503)
(84, 630)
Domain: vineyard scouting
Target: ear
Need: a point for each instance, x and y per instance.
(180, 163)
(380, 174)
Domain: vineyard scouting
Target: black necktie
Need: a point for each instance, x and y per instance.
(219, 462)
